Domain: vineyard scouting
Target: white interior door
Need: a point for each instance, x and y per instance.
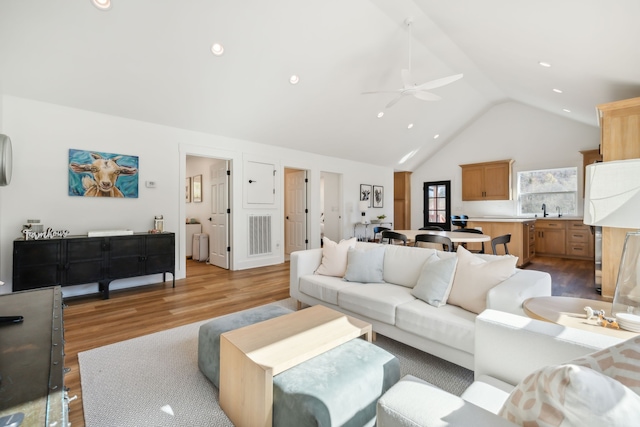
(295, 211)
(219, 233)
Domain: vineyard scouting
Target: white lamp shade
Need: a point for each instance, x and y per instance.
(363, 205)
(612, 194)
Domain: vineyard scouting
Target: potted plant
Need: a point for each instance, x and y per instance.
(379, 220)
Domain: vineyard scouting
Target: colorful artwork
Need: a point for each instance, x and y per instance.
(98, 174)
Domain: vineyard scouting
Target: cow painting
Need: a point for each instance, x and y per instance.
(93, 174)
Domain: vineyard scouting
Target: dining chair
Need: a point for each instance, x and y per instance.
(391, 236)
(471, 230)
(501, 240)
(378, 230)
(446, 243)
(459, 221)
(432, 227)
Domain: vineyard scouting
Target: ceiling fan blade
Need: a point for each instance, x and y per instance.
(438, 82)
(393, 102)
(406, 78)
(427, 96)
(380, 91)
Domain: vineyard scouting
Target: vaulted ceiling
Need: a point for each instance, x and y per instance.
(151, 60)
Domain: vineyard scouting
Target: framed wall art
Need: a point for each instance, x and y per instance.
(378, 196)
(99, 174)
(197, 189)
(188, 190)
(365, 193)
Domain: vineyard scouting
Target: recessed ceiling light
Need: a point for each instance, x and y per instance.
(410, 126)
(557, 90)
(436, 136)
(544, 64)
(217, 49)
(380, 114)
(294, 79)
(566, 110)
(102, 4)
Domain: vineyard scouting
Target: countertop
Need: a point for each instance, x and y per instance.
(520, 218)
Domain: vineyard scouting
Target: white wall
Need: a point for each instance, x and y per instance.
(533, 138)
(43, 133)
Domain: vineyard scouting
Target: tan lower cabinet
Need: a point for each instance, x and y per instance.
(520, 244)
(565, 238)
(579, 240)
(550, 237)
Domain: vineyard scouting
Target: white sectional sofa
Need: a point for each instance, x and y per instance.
(447, 331)
(508, 349)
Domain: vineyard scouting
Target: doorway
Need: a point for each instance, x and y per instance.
(295, 211)
(331, 206)
(208, 213)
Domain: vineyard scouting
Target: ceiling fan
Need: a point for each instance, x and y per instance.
(417, 90)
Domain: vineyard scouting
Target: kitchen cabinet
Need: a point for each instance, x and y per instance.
(580, 240)
(589, 157)
(521, 237)
(619, 140)
(487, 181)
(402, 200)
(550, 237)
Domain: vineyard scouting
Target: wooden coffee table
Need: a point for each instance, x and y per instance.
(252, 355)
(568, 311)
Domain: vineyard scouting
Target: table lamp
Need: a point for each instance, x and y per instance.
(612, 199)
(362, 206)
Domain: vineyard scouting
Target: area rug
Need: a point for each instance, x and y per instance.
(154, 380)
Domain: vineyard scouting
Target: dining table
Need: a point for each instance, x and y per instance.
(455, 236)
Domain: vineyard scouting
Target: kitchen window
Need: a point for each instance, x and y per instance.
(557, 189)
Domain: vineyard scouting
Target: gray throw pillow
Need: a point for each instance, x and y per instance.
(365, 265)
(435, 281)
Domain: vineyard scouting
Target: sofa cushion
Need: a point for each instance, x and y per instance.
(435, 280)
(365, 265)
(571, 395)
(376, 301)
(448, 324)
(620, 362)
(402, 264)
(324, 288)
(334, 257)
(475, 276)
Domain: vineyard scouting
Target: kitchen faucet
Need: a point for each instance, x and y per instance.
(559, 213)
(544, 210)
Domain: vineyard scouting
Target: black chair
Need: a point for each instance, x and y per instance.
(471, 230)
(378, 230)
(501, 240)
(459, 220)
(391, 236)
(446, 243)
(432, 227)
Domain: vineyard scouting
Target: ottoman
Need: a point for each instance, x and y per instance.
(209, 335)
(337, 388)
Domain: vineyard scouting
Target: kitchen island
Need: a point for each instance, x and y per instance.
(522, 232)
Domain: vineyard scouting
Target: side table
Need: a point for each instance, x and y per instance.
(569, 311)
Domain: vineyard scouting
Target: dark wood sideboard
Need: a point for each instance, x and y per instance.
(32, 391)
(77, 260)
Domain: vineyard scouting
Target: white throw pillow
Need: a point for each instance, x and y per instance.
(571, 395)
(435, 280)
(476, 276)
(620, 362)
(334, 257)
(365, 265)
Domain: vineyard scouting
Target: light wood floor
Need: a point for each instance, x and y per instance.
(208, 292)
